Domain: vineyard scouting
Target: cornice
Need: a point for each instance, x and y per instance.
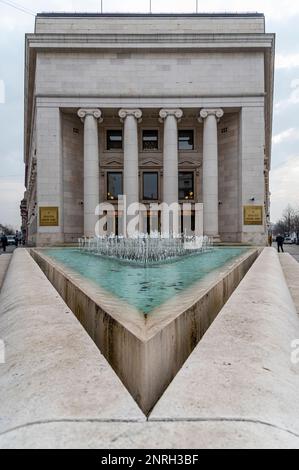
(140, 41)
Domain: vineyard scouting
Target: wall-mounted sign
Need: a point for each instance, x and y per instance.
(253, 215)
(48, 217)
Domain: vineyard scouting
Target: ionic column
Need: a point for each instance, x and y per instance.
(130, 119)
(90, 118)
(210, 117)
(171, 117)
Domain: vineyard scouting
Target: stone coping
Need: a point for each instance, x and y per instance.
(53, 370)
(241, 371)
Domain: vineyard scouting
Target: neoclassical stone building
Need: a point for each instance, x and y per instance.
(156, 107)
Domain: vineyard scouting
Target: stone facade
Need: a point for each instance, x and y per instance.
(89, 74)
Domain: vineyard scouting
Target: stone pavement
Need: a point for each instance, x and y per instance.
(293, 250)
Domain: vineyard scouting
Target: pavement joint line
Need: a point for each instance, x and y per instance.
(229, 420)
(154, 420)
(70, 420)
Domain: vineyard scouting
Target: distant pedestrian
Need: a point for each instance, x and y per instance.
(270, 239)
(16, 240)
(280, 241)
(4, 242)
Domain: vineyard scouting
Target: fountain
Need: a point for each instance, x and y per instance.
(146, 249)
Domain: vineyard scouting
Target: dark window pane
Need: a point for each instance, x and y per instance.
(186, 185)
(150, 140)
(150, 186)
(114, 185)
(186, 140)
(114, 139)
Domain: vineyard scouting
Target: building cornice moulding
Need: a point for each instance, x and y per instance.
(154, 41)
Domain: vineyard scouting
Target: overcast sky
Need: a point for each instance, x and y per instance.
(282, 17)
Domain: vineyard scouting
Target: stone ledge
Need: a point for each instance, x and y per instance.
(242, 368)
(53, 370)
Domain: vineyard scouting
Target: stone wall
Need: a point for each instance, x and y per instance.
(105, 73)
(49, 171)
(229, 185)
(72, 145)
(251, 170)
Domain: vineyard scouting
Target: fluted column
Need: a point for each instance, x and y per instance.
(130, 119)
(90, 118)
(210, 117)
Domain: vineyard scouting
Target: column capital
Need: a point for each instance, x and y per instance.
(125, 112)
(176, 112)
(205, 112)
(96, 113)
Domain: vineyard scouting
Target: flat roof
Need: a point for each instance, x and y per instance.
(155, 15)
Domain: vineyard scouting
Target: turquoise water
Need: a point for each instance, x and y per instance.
(144, 287)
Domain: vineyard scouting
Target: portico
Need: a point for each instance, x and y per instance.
(130, 118)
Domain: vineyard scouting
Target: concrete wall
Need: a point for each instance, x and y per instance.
(161, 344)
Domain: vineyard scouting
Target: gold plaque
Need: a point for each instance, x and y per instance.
(48, 217)
(253, 215)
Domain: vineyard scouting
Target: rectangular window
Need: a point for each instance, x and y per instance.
(114, 185)
(150, 140)
(186, 185)
(150, 186)
(114, 139)
(186, 139)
